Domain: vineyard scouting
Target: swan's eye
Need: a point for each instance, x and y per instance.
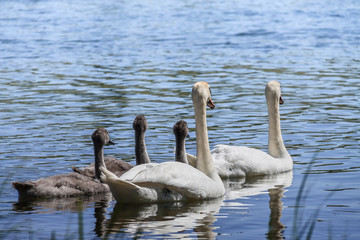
(210, 91)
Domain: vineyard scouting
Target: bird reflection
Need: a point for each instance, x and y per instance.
(205, 229)
(173, 220)
(40, 205)
(74, 204)
(100, 217)
(275, 205)
(274, 185)
(178, 219)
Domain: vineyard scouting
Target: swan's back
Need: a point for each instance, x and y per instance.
(175, 176)
(241, 161)
(63, 185)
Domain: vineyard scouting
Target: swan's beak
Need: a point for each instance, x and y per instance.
(210, 104)
(281, 101)
(110, 142)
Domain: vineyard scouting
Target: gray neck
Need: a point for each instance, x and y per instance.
(141, 154)
(180, 151)
(99, 159)
(276, 145)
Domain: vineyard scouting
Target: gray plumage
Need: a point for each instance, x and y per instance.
(140, 126)
(181, 132)
(86, 181)
(100, 138)
(71, 184)
(119, 167)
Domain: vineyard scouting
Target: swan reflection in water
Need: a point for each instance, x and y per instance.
(275, 205)
(273, 185)
(100, 203)
(169, 220)
(183, 220)
(50, 205)
(179, 219)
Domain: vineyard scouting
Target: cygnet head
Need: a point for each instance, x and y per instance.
(181, 129)
(273, 91)
(101, 137)
(201, 92)
(140, 124)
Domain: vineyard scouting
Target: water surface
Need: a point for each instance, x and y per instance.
(68, 67)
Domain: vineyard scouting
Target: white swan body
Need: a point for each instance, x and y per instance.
(234, 162)
(241, 161)
(164, 182)
(173, 181)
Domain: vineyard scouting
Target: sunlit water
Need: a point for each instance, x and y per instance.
(68, 67)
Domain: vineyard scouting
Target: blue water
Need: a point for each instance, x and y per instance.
(68, 67)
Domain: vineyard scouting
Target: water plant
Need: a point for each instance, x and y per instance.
(306, 230)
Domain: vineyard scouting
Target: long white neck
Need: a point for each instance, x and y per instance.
(276, 145)
(204, 160)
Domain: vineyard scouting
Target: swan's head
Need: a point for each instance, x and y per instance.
(140, 124)
(181, 129)
(101, 137)
(201, 93)
(273, 91)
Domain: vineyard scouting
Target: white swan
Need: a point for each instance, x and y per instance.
(173, 181)
(241, 161)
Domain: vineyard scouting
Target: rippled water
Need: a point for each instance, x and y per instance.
(67, 67)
